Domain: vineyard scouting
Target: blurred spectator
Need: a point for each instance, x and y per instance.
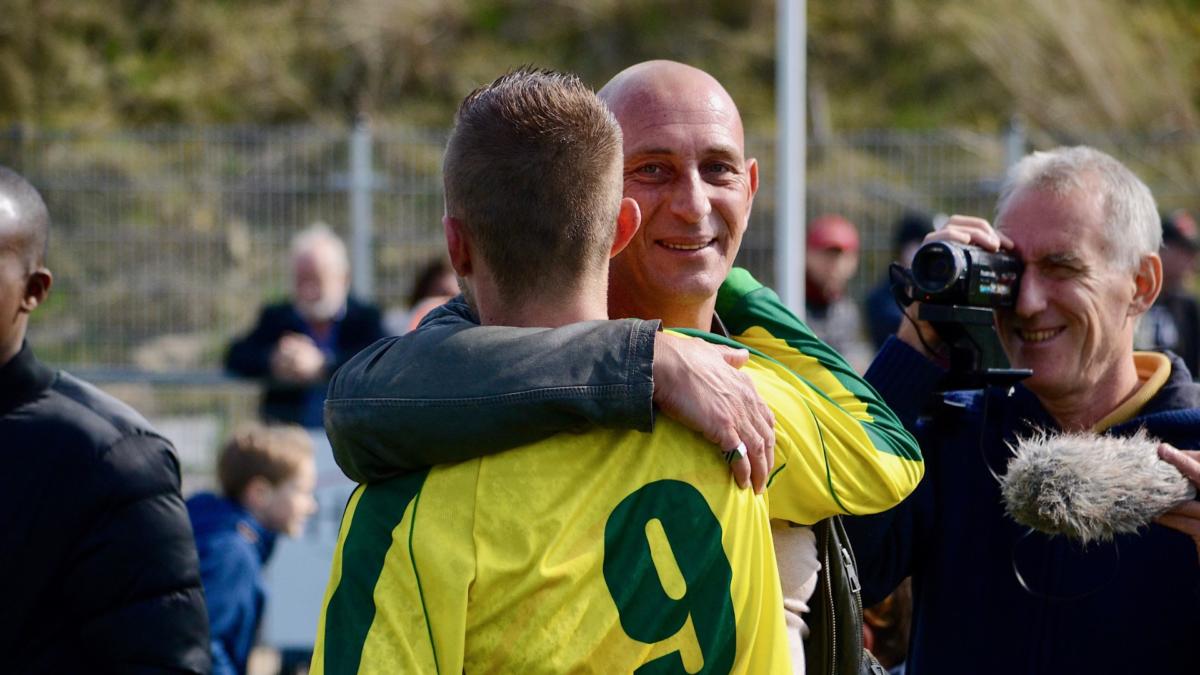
(99, 570)
(435, 284)
(883, 314)
(1174, 321)
(830, 263)
(267, 476)
(886, 627)
(296, 345)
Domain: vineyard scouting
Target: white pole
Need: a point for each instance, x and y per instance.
(362, 217)
(790, 181)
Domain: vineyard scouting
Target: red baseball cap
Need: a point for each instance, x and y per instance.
(832, 231)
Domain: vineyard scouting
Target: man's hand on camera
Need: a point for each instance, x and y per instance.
(969, 230)
(699, 385)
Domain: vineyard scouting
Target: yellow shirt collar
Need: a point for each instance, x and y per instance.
(1153, 369)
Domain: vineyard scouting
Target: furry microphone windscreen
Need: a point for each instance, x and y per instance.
(1089, 487)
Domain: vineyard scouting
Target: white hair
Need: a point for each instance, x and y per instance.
(316, 236)
(1131, 221)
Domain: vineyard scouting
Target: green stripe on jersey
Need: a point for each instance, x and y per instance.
(352, 606)
(743, 303)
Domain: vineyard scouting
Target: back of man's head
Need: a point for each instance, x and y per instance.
(1131, 221)
(533, 173)
(24, 219)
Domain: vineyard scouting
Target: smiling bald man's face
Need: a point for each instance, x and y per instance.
(685, 165)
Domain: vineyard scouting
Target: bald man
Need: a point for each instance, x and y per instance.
(447, 392)
(99, 567)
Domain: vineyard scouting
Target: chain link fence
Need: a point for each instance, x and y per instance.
(165, 243)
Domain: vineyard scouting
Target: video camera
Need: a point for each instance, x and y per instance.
(959, 288)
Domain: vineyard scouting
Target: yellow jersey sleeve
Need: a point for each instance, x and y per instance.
(832, 426)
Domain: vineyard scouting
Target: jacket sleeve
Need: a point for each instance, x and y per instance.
(250, 355)
(366, 328)
(453, 390)
(889, 545)
(135, 572)
(222, 664)
(845, 433)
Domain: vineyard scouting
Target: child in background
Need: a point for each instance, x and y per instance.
(267, 476)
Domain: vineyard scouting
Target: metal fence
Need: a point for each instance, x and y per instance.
(165, 243)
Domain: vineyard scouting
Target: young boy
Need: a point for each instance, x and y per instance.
(267, 476)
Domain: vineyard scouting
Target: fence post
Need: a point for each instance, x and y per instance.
(790, 85)
(362, 214)
(1014, 141)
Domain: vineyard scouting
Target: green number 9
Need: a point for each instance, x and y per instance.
(647, 613)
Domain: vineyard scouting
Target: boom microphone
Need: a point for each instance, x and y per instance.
(1089, 487)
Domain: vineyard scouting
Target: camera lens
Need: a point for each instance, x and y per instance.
(937, 266)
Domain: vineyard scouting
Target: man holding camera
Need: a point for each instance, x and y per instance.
(990, 597)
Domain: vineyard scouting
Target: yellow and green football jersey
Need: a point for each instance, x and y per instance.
(599, 552)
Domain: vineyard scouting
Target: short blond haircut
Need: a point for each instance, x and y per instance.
(533, 171)
(273, 452)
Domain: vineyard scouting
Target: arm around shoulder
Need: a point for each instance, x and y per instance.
(861, 452)
(452, 390)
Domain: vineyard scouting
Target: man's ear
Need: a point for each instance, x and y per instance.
(1147, 283)
(37, 287)
(457, 245)
(752, 171)
(629, 219)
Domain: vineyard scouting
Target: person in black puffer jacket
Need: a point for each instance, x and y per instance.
(98, 568)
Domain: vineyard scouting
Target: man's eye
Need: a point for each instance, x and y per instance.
(1063, 271)
(718, 167)
(649, 170)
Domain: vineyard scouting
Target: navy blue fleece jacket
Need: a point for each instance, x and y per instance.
(1132, 606)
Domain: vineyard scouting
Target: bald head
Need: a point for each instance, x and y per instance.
(24, 220)
(684, 156)
(24, 282)
(658, 92)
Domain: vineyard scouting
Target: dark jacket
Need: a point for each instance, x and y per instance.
(883, 314)
(233, 548)
(1173, 323)
(250, 356)
(396, 409)
(98, 569)
(1128, 607)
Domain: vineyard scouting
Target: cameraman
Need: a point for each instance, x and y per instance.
(988, 596)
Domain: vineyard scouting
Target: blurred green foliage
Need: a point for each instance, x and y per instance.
(1066, 65)
(180, 142)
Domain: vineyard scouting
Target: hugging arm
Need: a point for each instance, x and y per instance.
(452, 390)
(859, 451)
